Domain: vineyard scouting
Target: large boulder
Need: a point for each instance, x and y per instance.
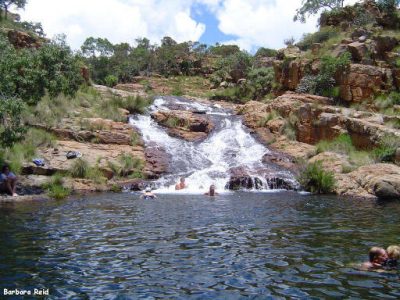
(184, 124)
(380, 181)
(358, 50)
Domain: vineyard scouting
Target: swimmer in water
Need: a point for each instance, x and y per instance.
(148, 194)
(211, 191)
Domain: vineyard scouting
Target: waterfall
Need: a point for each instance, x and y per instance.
(207, 162)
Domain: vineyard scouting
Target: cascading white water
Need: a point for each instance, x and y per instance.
(207, 162)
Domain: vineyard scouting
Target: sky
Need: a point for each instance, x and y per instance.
(248, 23)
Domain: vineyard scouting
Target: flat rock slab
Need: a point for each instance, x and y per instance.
(94, 154)
(184, 124)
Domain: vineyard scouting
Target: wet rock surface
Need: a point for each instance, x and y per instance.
(184, 124)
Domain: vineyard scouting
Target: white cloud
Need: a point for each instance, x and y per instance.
(117, 20)
(253, 23)
(261, 23)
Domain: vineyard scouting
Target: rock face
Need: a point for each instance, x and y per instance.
(20, 39)
(156, 161)
(380, 181)
(99, 154)
(184, 124)
(102, 131)
(242, 178)
(362, 82)
(316, 119)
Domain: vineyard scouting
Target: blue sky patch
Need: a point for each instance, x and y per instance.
(212, 34)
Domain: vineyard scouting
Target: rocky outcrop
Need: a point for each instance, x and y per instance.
(95, 154)
(363, 82)
(156, 161)
(380, 181)
(315, 119)
(20, 39)
(242, 178)
(184, 124)
(96, 130)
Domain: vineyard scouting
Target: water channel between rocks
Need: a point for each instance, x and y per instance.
(228, 147)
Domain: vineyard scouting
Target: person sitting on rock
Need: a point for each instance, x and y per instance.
(393, 253)
(181, 184)
(211, 191)
(8, 181)
(148, 194)
(377, 259)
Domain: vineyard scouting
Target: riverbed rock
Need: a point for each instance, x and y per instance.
(380, 181)
(243, 178)
(97, 130)
(95, 154)
(157, 161)
(184, 124)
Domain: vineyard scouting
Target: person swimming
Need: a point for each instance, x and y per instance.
(148, 194)
(211, 191)
(393, 253)
(181, 184)
(377, 259)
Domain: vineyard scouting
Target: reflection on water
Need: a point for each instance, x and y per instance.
(190, 247)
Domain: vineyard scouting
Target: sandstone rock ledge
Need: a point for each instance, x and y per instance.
(184, 124)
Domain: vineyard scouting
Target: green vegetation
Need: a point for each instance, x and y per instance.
(24, 151)
(127, 166)
(82, 169)
(273, 115)
(312, 7)
(55, 187)
(324, 83)
(387, 149)
(321, 36)
(316, 180)
(111, 80)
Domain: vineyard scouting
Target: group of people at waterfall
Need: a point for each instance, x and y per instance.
(181, 185)
(380, 258)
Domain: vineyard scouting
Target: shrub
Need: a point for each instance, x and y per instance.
(320, 36)
(136, 104)
(11, 127)
(316, 180)
(260, 82)
(387, 149)
(324, 83)
(266, 52)
(79, 168)
(111, 81)
(55, 188)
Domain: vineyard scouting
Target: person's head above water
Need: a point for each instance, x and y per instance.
(393, 252)
(377, 255)
(182, 180)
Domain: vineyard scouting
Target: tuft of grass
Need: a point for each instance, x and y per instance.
(273, 115)
(387, 149)
(341, 144)
(79, 168)
(130, 165)
(315, 179)
(55, 188)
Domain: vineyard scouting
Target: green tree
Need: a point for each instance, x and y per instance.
(6, 4)
(312, 7)
(11, 127)
(29, 73)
